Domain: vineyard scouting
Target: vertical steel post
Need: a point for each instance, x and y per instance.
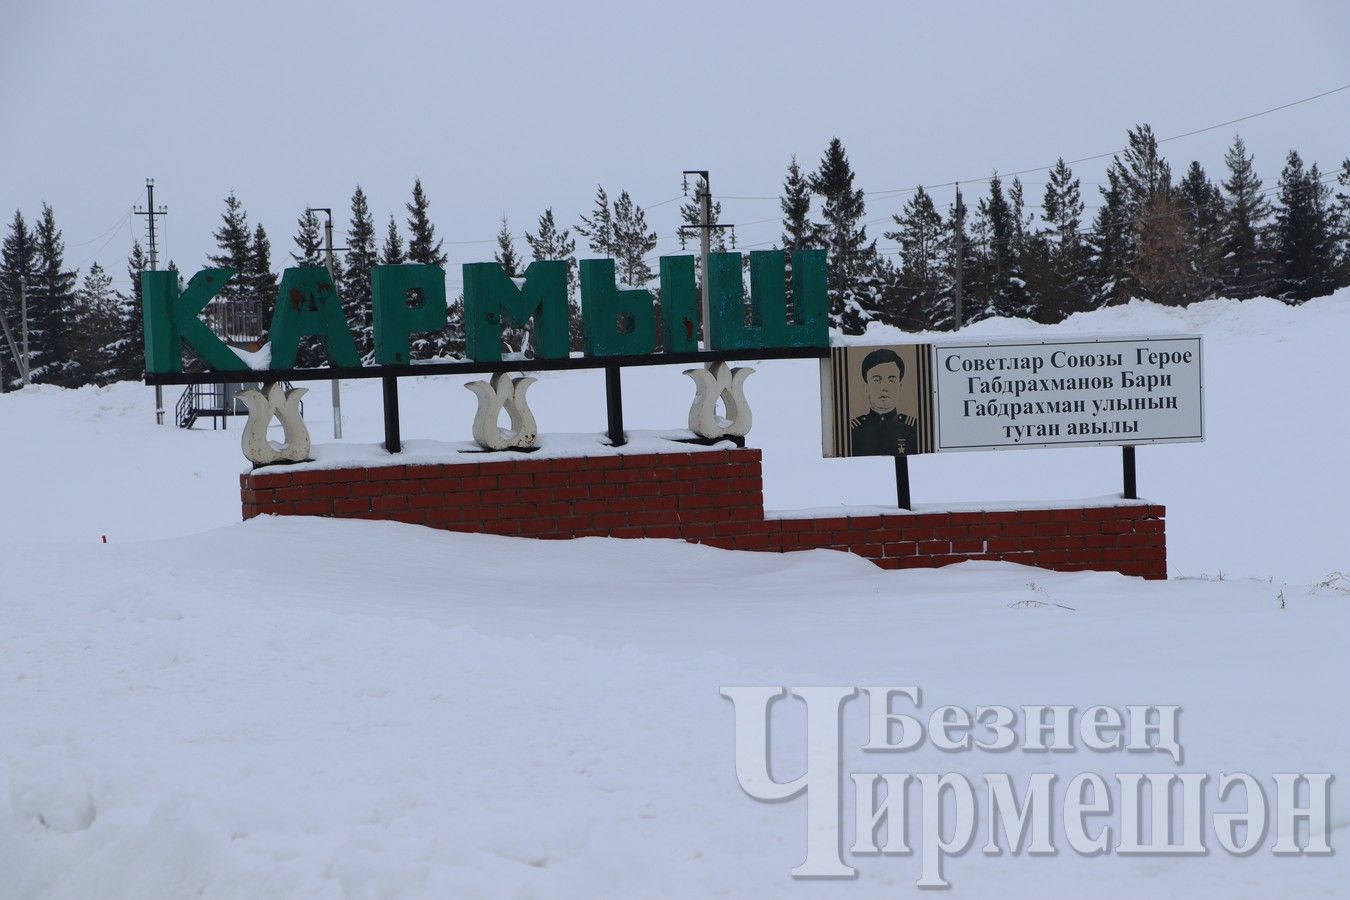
(337, 392)
(1127, 464)
(392, 441)
(704, 248)
(150, 212)
(614, 405)
(902, 482)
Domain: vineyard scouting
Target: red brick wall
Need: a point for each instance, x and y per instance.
(708, 497)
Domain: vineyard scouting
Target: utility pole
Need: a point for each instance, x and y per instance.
(150, 212)
(705, 228)
(328, 256)
(960, 264)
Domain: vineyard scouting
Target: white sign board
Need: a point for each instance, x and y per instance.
(994, 395)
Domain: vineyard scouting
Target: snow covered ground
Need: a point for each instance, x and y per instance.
(312, 708)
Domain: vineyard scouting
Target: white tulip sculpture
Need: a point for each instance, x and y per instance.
(720, 381)
(509, 393)
(284, 405)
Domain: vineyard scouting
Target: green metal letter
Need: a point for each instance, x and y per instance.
(308, 303)
(769, 325)
(491, 299)
(171, 320)
(391, 289)
(679, 305)
(614, 322)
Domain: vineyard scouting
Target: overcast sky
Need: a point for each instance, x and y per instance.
(508, 108)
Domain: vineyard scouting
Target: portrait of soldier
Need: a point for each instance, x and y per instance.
(883, 430)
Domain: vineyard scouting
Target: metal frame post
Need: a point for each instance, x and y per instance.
(614, 405)
(1131, 491)
(902, 482)
(392, 441)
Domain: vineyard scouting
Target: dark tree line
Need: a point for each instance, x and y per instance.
(1152, 236)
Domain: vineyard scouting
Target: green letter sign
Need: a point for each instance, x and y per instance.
(614, 322)
(308, 304)
(769, 326)
(171, 320)
(679, 305)
(491, 299)
(396, 318)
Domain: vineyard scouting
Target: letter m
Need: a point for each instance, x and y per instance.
(491, 300)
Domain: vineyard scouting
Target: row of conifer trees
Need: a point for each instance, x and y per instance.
(1151, 236)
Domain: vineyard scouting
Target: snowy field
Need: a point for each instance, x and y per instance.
(313, 708)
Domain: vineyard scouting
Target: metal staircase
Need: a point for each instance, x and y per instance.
(219, 401)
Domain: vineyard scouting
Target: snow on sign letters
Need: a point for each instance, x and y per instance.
(1112, 390)
(903, 399)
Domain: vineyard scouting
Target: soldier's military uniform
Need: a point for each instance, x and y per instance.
(884, 434)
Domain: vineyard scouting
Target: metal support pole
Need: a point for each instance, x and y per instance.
(1127, 464)
(902, 482)
(704, 248)
(614, 405)
(392, 442)
(337, 391)
(151, 212)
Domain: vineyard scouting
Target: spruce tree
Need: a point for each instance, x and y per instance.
(1246, 263)
(235, 244)
(137, 262)
(1002, 288)
(514, 340)
(1063, 289)
(361, 257)
(1144, 174)
(506, 255)
(923, 295)
(423, 247)
(799, 232)
(128, 352)
(1112, 244)
(1017, 299)
(853, 280)
(1202, 208)
(18, 274)
(598, 228)
(550, 243)
(392, 253)
(308, 240)
(96, 329)
(632, 242)
(261, 280)
(1342, 222)
(1303, 236)
(49, 306)
(1134, 178)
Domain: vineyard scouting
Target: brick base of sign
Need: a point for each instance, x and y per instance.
(713, 497)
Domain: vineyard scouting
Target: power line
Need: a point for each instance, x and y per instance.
(1083, 159)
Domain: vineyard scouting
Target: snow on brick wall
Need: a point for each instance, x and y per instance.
(714, 498)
